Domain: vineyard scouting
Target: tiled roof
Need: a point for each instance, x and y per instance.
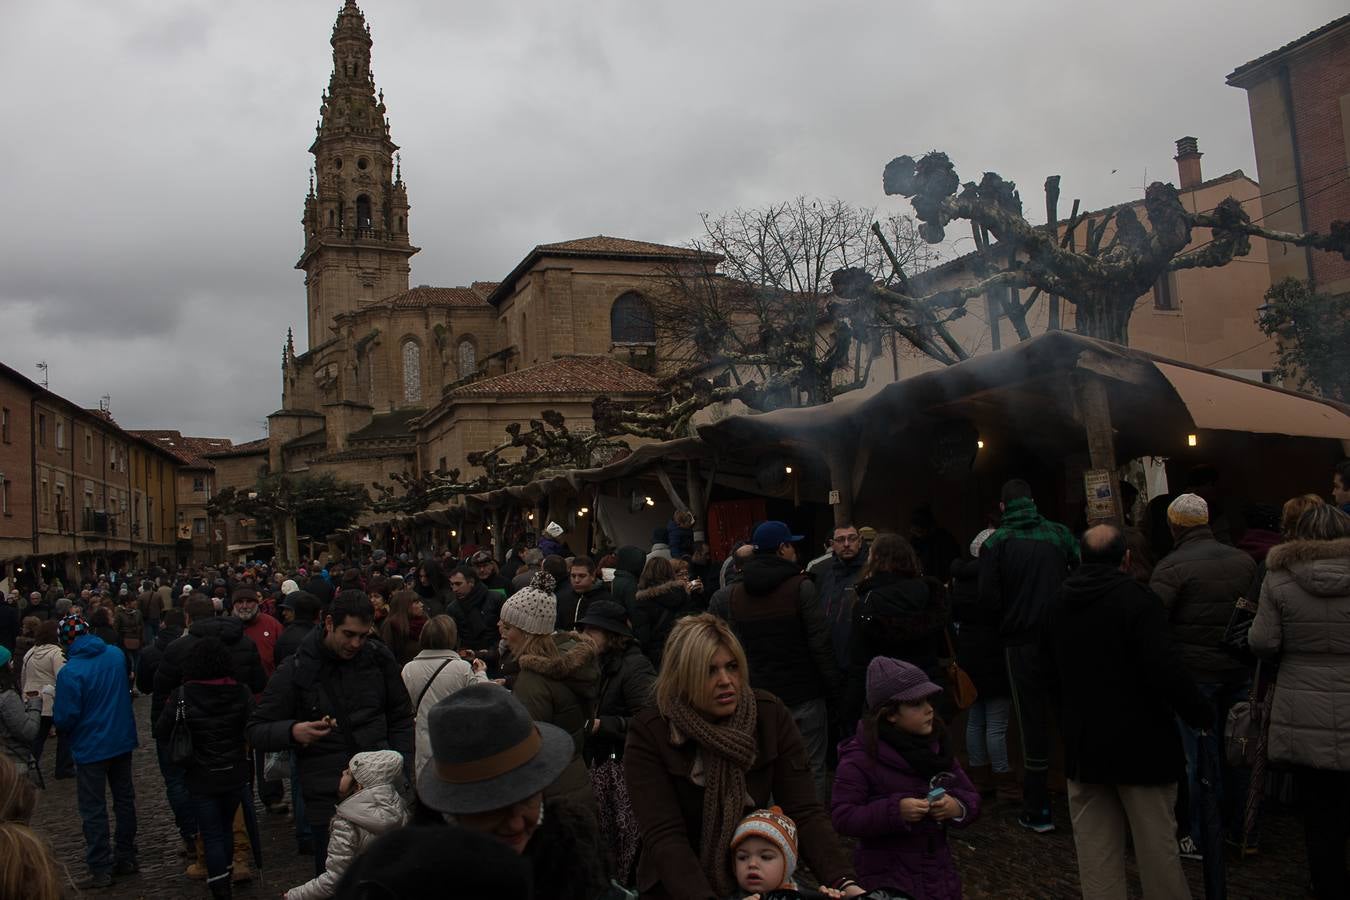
(424, 295)
(600, 246)
(485, 288)
(1237, 74)
(190, 450)
(603, 244)
(317, 438)
(249, 448)
(567, 375)
(387, 426)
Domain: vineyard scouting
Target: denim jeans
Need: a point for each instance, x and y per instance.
(1031, 705)
(987, 732)
(302, 830)
(813, 721)
(175, 789)
(215, 814)
(65, 766)
(1232, 786)
(91, 780)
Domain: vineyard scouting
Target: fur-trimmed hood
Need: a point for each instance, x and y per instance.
(576, 662)
(1320, 567)
(670, 594)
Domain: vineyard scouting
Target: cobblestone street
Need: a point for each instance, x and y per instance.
(996, 858)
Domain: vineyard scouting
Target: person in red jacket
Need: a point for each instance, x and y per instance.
(263, 630)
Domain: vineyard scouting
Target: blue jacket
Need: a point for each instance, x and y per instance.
(93, 701)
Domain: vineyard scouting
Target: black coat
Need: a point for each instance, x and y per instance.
(1119, 680)
(655, 612)
(364, 694)
(216, 713)
(570, 613)
(9, 625)
(292, 636)
(626, 680)
(151, 657)
(899, 617)
(247, 665)
(979, 648)
(476, 618)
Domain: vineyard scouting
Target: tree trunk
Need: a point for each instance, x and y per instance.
(1106, 318)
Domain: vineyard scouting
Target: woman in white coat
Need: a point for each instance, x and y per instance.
(38, 672)
(435, 673)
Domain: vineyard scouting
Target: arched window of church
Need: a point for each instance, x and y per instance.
(400, 224)
(412, 372)
(631, 320)
(330, 218)
(363, 211)
(468, 358)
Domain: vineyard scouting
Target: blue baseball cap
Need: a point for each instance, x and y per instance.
(772, 534)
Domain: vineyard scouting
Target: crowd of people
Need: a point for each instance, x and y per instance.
(655, 722)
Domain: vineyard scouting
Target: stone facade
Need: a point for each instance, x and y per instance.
(376, 390)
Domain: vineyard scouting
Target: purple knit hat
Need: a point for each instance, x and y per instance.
(894, 679)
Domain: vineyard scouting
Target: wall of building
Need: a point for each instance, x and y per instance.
(16, 469)
(241, 473)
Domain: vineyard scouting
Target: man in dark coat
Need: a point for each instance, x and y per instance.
(175, 785)
(1199, 584)
(587, 587)
(1022, 565)
(1121, 684)
(304, 612)
(775, 613)
(489, 573)
(340, 694)
(833, 580)
(629, 561)
(202, 622)
(474, 610)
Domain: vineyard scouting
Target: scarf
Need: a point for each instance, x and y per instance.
(918, 750)
(728, 752)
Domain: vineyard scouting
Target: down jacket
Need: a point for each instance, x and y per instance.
(1198, 583)
(248, 667)
(1304, 616)
(215, 712)
(561, 690)
(364, 694)
(19, 721)
(358, 820)
(40, 667)
(892, 853)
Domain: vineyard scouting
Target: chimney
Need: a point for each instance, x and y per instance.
(1188, 162)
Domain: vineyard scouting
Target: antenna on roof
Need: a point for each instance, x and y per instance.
(42, 367)
(105, 403)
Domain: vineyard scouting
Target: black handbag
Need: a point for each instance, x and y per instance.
(180, 738)
(1234, 641)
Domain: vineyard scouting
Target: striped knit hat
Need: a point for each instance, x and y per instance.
(534, 608)
(775, 828)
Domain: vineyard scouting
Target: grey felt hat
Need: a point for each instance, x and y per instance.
(487, 753)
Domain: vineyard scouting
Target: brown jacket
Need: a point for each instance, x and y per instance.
(1304, 616)
(561, 690)
(669, 806)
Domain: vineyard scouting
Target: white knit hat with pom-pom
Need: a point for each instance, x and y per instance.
(534, 608)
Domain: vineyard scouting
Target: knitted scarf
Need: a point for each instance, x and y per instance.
(927, 755)
(728, 750)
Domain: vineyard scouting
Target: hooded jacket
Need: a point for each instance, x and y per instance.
(656, 610)
(216, 713)
(561, 690)
(1198, 583)
(899, 617)
(1304, 616)
(774, 612)
(1120, 681)
(41, 665)
(364, 694)
(1022, 565)
(628, 565)
(357, 821)
(913, 857)
(93, 701)
(247, 665)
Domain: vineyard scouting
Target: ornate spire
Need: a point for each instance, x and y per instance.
(350, 105)
(290, 343)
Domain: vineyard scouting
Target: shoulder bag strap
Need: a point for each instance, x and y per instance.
(430, 681)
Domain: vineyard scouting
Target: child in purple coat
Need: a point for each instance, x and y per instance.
(899, 788)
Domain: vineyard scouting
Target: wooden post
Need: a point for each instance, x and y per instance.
(841, 484)
(694, 488)
(1093, 410)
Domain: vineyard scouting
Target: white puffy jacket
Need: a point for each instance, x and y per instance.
(359, 819)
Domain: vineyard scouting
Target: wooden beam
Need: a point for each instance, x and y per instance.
(674, 495)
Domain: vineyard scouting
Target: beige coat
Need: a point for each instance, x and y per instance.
(40, 666)
(417, 673)
(1304, 618)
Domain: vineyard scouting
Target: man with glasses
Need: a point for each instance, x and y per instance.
(835, 579)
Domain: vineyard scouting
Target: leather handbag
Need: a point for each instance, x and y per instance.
(180, 738)
(963, 689)
(1243, 728)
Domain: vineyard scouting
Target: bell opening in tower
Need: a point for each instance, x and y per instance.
(363, 212)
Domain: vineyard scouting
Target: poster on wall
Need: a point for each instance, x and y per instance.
(1099, 489)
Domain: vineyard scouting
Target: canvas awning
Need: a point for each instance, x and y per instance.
(1230, 404)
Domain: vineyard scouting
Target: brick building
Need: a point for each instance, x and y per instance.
(194, 486)
(1299, 98)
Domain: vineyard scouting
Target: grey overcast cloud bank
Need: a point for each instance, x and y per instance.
(156, 152)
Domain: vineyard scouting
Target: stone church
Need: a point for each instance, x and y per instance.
(398, 378)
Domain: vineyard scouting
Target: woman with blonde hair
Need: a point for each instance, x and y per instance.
(710, 750)
(27, 867)
(18, 796)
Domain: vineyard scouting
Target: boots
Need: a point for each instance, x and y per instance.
(241, 871)
(197, 870)
(221, 889)
(1008, 787)
(982, 777)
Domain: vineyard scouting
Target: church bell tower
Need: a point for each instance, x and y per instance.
(356, 212)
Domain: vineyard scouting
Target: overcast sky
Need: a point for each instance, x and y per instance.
(155, 152)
